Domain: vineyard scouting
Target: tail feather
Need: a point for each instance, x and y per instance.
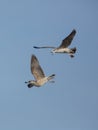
(72, 52)
(51, 76)
(74, 49)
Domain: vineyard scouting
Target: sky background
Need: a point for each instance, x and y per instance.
(71, 103)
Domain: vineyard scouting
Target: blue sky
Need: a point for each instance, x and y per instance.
(71, 103)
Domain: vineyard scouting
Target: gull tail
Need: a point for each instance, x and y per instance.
(73, 50)
(51, 77)
(36, 47)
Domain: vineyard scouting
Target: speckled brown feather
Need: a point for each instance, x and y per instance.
(36, 69)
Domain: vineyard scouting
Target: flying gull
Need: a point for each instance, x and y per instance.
(63, 48)
(36, 70)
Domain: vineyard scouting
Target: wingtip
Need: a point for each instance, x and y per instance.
(30, 85)
(26, 82)
(72, 56)
(35, 47)
(53, 74)
(74, 30)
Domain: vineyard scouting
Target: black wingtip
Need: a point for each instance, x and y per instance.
(26, 82)
(36, 47)
(30, 85)
(53, 75)
(72, 56)
(74, 30)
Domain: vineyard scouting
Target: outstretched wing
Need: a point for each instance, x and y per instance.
(67, 41)
(36, 69)
(37, 47)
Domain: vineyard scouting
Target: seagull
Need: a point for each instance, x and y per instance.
(63, 48)
(36, 70)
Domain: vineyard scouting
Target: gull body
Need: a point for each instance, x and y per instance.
(36, 70)
(63, 48)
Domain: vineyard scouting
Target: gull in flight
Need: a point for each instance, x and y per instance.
(36, 70)
(63, 48)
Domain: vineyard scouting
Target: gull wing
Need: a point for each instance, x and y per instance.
(37, 47)
(36, 69)
(67, 41)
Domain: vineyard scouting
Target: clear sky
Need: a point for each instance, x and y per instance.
(71, 103)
